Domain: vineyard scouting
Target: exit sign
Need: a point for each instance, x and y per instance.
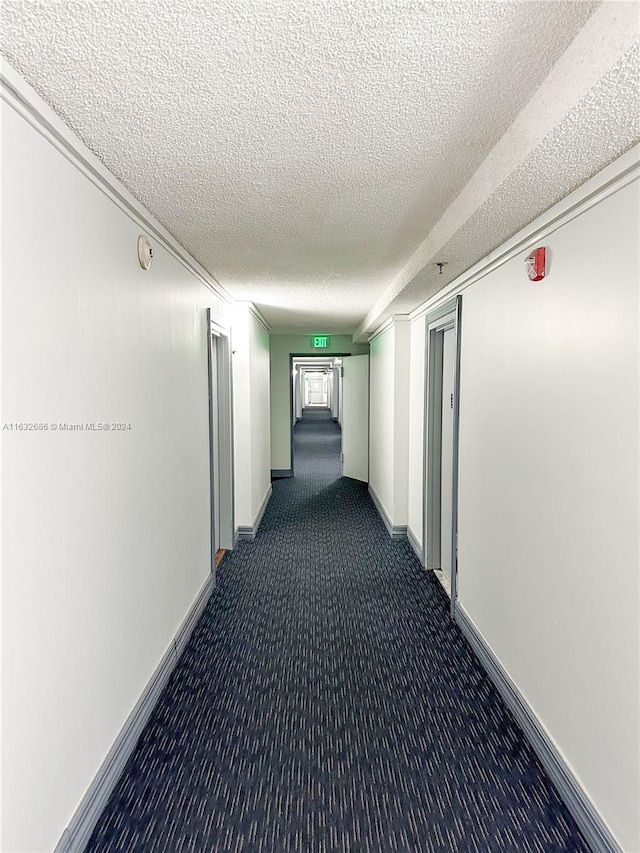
(320, 341)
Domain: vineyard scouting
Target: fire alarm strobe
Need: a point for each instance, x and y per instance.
(535, 264)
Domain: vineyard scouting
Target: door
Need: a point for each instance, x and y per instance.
(315, 392)
(443, 343)
(220, 438)
(214, 443)
(446, 462)
(355, 417)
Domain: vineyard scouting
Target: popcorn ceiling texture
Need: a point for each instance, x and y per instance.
(303, 151)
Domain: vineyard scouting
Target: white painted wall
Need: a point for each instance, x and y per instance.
(334, 391)
(260, 401)
(281, 348)
(548, 501)
(389, 423)
(300, 394)
(105, 534)
(251, 414)
(242, 428)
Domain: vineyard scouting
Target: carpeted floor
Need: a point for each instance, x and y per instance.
(327, 703)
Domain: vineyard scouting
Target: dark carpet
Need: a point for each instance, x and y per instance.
(326, 703)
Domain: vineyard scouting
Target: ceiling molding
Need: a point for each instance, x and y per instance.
(251, 308)
(619, 174)
(321, 164)
(607, 37)
(21, 97)
(392, 322)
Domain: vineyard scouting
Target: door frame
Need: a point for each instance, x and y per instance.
(309, 356)
(220, 435)
(446, 316)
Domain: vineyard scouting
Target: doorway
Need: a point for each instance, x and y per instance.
(441, 438)
(315, 384)
(335, 387)
(220, 439)
(316, 389)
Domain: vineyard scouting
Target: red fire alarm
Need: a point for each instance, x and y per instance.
(535, 264)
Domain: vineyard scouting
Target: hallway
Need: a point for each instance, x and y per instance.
(327, 702)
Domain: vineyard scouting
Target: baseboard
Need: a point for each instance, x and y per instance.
(415, 545)
(281, 473)
(76, 836)
(395, 531)
(244, 533)
(571, 792)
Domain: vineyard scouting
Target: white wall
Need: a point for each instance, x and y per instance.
(389, 423)
(243, 467)
(260, 403)
(548, 501)
(281, 348)
(251, 414)
(300, 391)
(334, 385)
(106, 538)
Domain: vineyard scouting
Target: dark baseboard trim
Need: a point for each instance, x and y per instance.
(395, 531)
(573, 795)
(415, 545)
(244, 533)
(76, 836)
(281, 473)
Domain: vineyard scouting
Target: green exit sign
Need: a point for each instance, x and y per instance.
(320, 341)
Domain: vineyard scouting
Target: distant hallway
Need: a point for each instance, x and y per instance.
(316, 446)
(327, 703)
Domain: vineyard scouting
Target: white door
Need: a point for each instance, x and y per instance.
(446, 467)
(355, 417)
(315, 392)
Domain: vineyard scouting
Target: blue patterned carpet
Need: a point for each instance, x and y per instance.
(327, 704)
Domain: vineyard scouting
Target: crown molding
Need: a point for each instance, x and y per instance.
(390, 323)
(255, 312)
(614, 177)
(20, 96)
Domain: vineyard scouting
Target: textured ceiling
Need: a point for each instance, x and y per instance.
(303, 151)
